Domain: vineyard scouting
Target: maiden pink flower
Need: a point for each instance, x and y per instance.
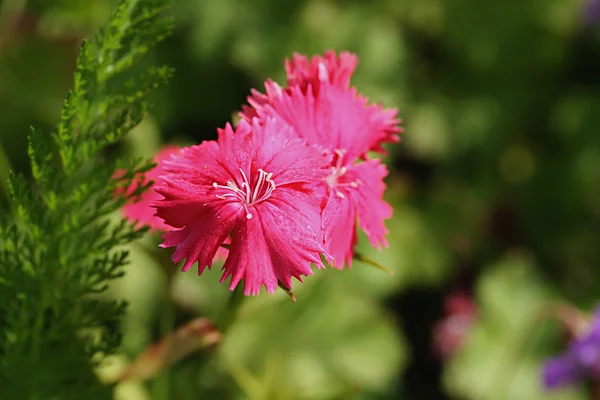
(353, 192)
(254, 183)
(340, 121)
(324, 72)
(330, 68)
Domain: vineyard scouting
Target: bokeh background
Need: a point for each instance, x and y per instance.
(495, 188)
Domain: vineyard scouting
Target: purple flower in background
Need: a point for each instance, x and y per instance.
(592, 11)
(580, 362)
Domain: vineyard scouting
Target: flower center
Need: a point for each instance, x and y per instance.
(338, 170)
(263, 188)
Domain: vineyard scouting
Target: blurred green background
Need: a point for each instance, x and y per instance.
(495, 187)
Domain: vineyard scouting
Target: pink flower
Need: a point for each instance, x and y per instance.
(449, 334)
(330, 68)
(354, 192)
(256, 184)
(141, 211)
(340, 121)
(318, 76)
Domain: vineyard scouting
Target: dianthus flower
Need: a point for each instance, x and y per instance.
(581, 361)
(334, 70)
(322, 72)
(255, 184)
(340, 121)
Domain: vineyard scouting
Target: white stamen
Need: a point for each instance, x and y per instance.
(323, 74)
(263, 189)
(337, 171)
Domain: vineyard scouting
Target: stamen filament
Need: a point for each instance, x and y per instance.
(263, 189)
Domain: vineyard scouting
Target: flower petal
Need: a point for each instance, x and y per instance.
(559, 372)
(335, 119)
(198, 165)
(371, 210)
(259, 101)
(292, 221)
(288, 157)
(142, 211)
(249, 259)
(283, 236)
(200, 239)
(329, 69)
(339, 227)
(357, 195)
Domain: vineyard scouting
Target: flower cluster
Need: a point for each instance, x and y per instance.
(290, 183)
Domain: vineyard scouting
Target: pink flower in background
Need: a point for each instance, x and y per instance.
(452, 330)
(141, 211)
(256, 184)
(341, 122)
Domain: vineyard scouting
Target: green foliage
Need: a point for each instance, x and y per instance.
(502, 355)
(501, 152)
(330, 343)
(59, 250)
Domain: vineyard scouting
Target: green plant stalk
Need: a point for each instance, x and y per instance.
(161, 384)
(231, 310)
(5, 168)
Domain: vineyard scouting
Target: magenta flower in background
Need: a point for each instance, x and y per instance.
(141, 211)
(581, 361)
(340, 121)
(450, 333)
(256, 184)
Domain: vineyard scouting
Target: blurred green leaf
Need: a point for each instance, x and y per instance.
(502, 356)
(326, 343)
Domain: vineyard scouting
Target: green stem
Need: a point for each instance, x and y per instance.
(231, 310)
(38, 328)
(226, 319)
(5, 169)
(160, 385)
